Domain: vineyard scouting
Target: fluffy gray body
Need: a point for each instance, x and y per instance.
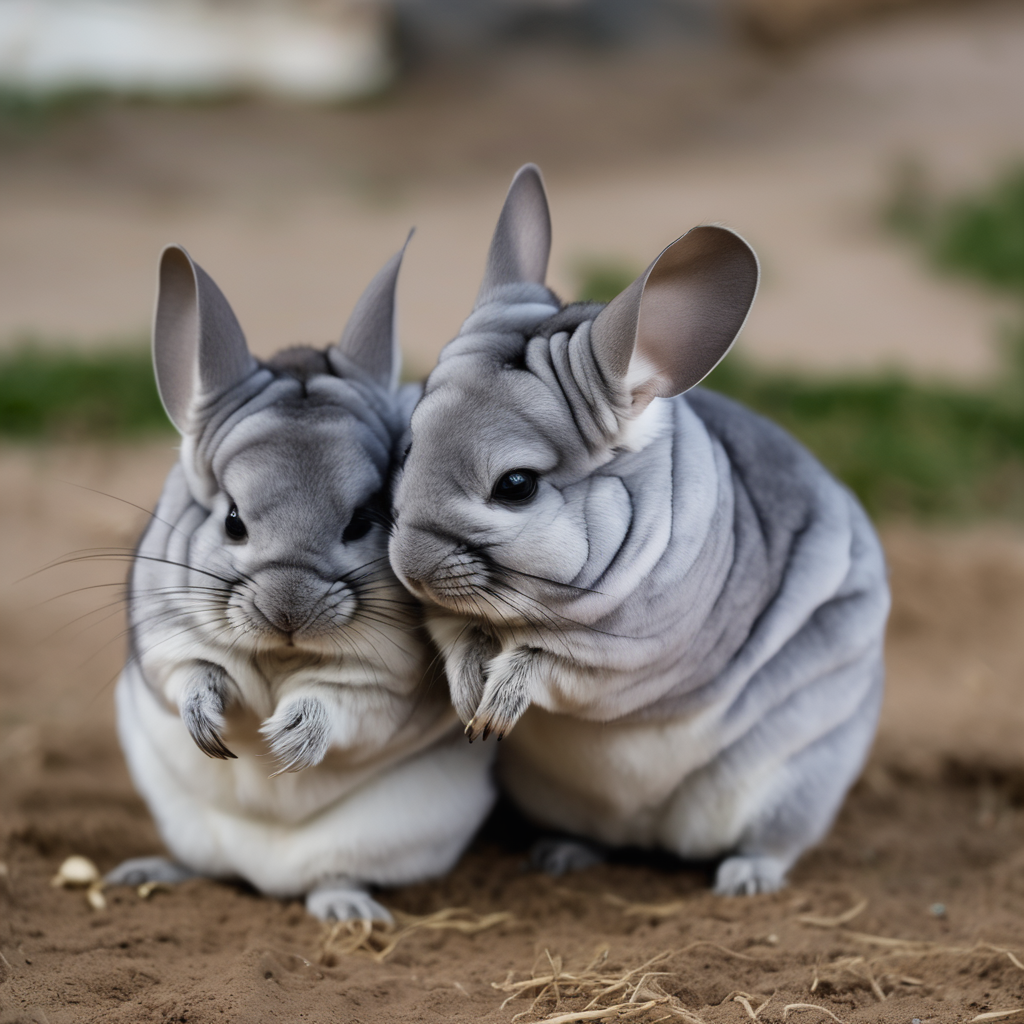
(278, 709)
(679, 632)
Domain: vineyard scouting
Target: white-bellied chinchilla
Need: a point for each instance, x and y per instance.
(278, 710)
(669, 610)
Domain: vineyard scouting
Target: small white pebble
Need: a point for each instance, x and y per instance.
(94, 896)
(147, 889)
(938, 909)
(75, 872)
(772, 940)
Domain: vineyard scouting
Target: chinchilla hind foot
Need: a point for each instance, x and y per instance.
(341, 899)
(139, 870)
(747, 876)
(558, 856)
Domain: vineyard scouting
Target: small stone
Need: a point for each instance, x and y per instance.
(94, 896)
(75, 872)
(916, 1020)
(772, 940)
(147, 889)
(938, 909)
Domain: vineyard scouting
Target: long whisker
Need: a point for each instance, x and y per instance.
(544, 579)
(151, 513)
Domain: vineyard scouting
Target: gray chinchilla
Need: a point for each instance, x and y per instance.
(671, 612)
(278, 711)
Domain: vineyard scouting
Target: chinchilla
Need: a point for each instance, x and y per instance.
(666, 606)
(278, 710)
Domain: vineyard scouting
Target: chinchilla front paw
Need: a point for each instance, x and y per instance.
(139, 870)
(202, 704)
(341, 899)
(747, 876)
(466, 665)
(299, 734)
(506, 694)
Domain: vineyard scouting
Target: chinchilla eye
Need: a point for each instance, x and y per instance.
(358, 526)
(516, 485)
(233, 525)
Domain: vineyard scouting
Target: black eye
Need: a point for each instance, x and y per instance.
(233, 525)
(358, 526)
(517, 485)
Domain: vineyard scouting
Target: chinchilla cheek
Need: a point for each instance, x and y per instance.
(554, 547)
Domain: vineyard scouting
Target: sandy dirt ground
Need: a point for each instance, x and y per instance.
(932, 838)
(292, 210)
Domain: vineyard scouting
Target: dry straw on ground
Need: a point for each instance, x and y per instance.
(598, 992)
(640, 991)
(610, 996)
(378, 940)
(880, 973)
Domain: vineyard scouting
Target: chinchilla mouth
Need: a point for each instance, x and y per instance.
(461, 577)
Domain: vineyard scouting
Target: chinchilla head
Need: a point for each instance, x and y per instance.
(287, 463)
(501, 501)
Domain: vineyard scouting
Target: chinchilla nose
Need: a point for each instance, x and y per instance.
(415, 556)
(288, 596)
(435, 566)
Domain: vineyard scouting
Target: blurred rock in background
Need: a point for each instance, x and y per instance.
(330, 50)
(305, 49)
(786, 22)
(455, 27)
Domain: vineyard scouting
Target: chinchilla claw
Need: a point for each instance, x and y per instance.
(202, 710)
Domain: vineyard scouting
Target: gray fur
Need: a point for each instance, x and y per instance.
(680, 634)
(279, 711)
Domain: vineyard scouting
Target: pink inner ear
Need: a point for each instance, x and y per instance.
(694, 303)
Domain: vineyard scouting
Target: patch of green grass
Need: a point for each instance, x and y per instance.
(70, 394)
(601, 280)
(906, 448)
(977, 234)
(25, 113)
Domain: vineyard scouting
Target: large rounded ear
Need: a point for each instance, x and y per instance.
(370, 339)
(673, 325)
(522, 240)
(199, 351)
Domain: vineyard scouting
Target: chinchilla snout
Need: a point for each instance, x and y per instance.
(296, 601)
(436, 568)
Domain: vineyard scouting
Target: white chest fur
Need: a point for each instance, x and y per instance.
(616, 782)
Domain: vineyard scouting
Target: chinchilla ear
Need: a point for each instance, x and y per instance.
(673, 325)
(522, 240)
(370, 339)
(199, 350)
